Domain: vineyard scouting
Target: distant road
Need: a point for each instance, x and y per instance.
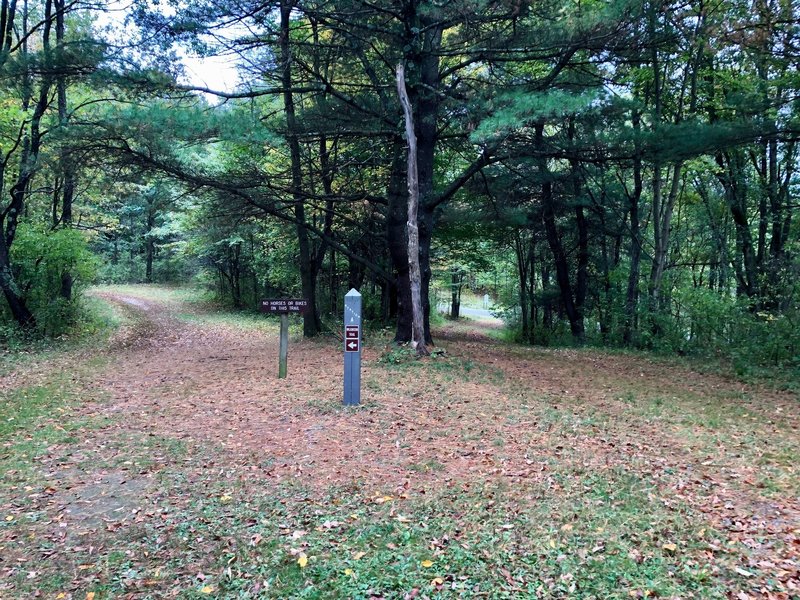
(474, 313)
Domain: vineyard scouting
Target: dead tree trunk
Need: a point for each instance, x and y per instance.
(415, 275)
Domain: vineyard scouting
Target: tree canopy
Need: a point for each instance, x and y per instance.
(628, 169)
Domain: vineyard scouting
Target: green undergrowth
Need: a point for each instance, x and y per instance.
(91, 331)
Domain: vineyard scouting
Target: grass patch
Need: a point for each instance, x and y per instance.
(22, 407)
(597, 537)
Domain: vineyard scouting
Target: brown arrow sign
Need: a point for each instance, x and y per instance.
(352, 338)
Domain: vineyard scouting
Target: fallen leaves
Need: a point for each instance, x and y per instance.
(269, 441)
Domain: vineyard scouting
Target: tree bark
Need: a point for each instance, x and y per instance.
(149, 242)
(31, 145)
(311, 321)
(415, 275)
(523, 265)
(663, 210)
(16, 303)
(67, 164)
(632, 294)
(456, 284)
(396, 217)
(556, 247)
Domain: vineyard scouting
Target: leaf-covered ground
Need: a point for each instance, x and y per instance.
(172, 462)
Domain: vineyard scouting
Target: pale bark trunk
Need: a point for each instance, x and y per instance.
(415, 274)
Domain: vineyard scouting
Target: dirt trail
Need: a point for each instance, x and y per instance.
(485, 411)
(216, 383)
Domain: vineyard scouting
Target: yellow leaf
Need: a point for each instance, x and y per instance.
(359, 555)
(348, 572)
(9, 518)
(427, 563)
(302, 560)
(552, 543)
(670, 547)
(437, 581)
(89, 595)
(225, 499)
(61, 595)
(207, 589)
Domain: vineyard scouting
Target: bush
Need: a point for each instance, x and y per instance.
(40, 257)
(729, 328)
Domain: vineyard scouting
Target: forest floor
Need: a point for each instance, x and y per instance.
(170, 461)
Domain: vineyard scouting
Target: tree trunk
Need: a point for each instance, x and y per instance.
(311, 322)
(415, 275)
(421, 53)
(16, 303)
(663, 210)
(582, 276)
(522, 255)
(29, 156)
(554, 241)
(67, 165)
(149, 244)
(547, 308)
(456, 283)
(632, 294)
(745, 264)
(397, 215)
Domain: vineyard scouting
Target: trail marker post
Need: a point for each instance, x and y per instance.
(283, 348)
(283, 307)
(352, 348)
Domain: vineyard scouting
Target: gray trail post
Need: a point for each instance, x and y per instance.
(352, 348)
(283, 348)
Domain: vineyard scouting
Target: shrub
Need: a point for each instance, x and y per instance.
(40, 257)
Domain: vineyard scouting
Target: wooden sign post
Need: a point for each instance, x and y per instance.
(352, 348)
(283, 307)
